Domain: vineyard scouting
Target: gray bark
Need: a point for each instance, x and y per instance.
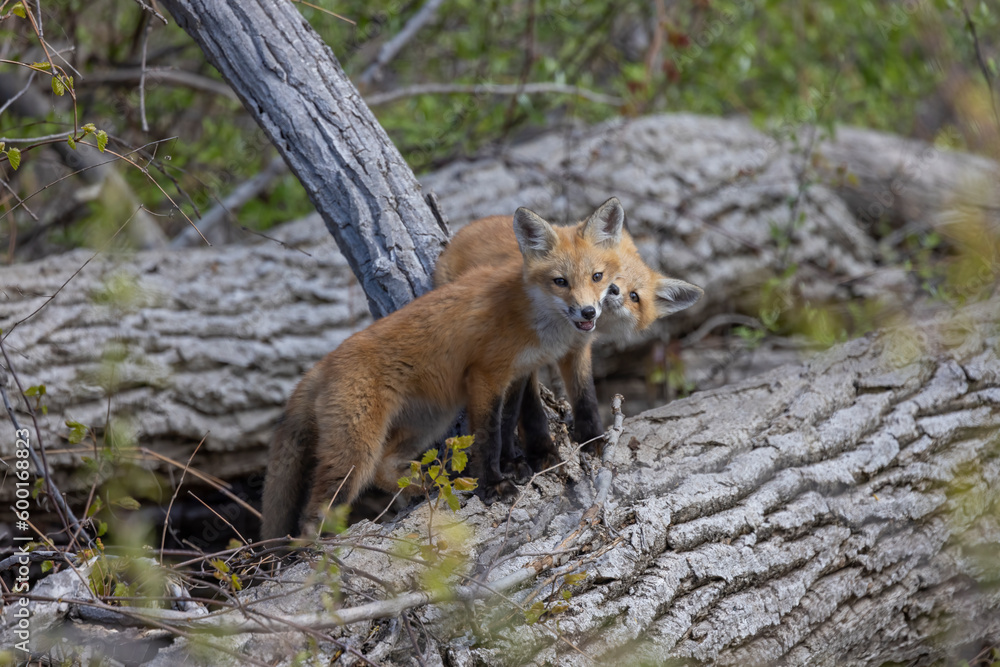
(837, 512)
(292, 85)
(909, 182)
(212, 340)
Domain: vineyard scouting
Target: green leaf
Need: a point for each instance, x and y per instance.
(77, 432)
(46, 566)
(14, 157)
(465, 483)
(35, 390)
(434, 471)
(404, 482)
(69, 140)
(102, 528)
(459, 460)
(534, 612)
(461, 442)
(128, 502)
(95, 507)
(88, 128)
(57, 86)
(429, 456)
(566, 595)
(453, 503)
(18, 10)
(121, 590)
(102, 140)
(45, 66)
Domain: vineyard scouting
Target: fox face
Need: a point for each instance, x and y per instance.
(569, 270)
(640, 296)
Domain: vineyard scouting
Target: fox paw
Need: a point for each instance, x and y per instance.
(590, 435)
(544, 460)
(502, 490)
(518, 469)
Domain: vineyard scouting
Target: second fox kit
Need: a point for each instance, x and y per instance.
(639, 297)
(389, 392)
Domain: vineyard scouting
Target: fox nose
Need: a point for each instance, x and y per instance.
(613, 290)
(589, 312)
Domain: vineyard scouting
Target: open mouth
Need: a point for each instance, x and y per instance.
(585, 326)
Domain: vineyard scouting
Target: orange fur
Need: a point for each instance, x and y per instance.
(644, 296)
(387, 393)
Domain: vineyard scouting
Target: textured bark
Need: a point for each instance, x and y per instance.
(292, 85)
(214, 339)
(839, 512)
(909, 182)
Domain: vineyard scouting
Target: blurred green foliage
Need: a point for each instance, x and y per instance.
(905, 66)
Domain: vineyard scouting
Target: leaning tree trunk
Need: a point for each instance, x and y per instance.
(209, 342)
(292, 85)
(839, 512)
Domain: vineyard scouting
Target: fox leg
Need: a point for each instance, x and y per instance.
(579, 379)
(485, 409)
(512, 459)
(347, 456)
(538, 446)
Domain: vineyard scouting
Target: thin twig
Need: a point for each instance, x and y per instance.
(392, 48)
(33, 557)
(142, 76)
(11, 190)
(491, 89)
(216, 483)
(319, 530)
(212, 510)
(177, 77)
(223, 210)
(417, 653)
(27, 86)
(151, 10)
(718, 321)
(81, 170)
(66, 282)
(170, 505)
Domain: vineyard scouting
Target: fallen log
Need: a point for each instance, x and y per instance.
(839, 511)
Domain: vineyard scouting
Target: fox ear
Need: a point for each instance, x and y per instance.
(535, 237)
(673, 295)
(604, 226)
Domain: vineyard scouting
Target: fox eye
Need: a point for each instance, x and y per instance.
(634, 296)
(598, 276)
(562, 282)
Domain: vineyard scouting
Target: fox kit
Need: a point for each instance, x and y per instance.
(638, 297)
(388, 392)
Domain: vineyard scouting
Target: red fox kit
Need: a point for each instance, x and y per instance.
(638, 297)
(388, 392)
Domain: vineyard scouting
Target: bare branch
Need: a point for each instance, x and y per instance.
(391, 49)
(167, 75)
(226, 207)
(491, 89)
